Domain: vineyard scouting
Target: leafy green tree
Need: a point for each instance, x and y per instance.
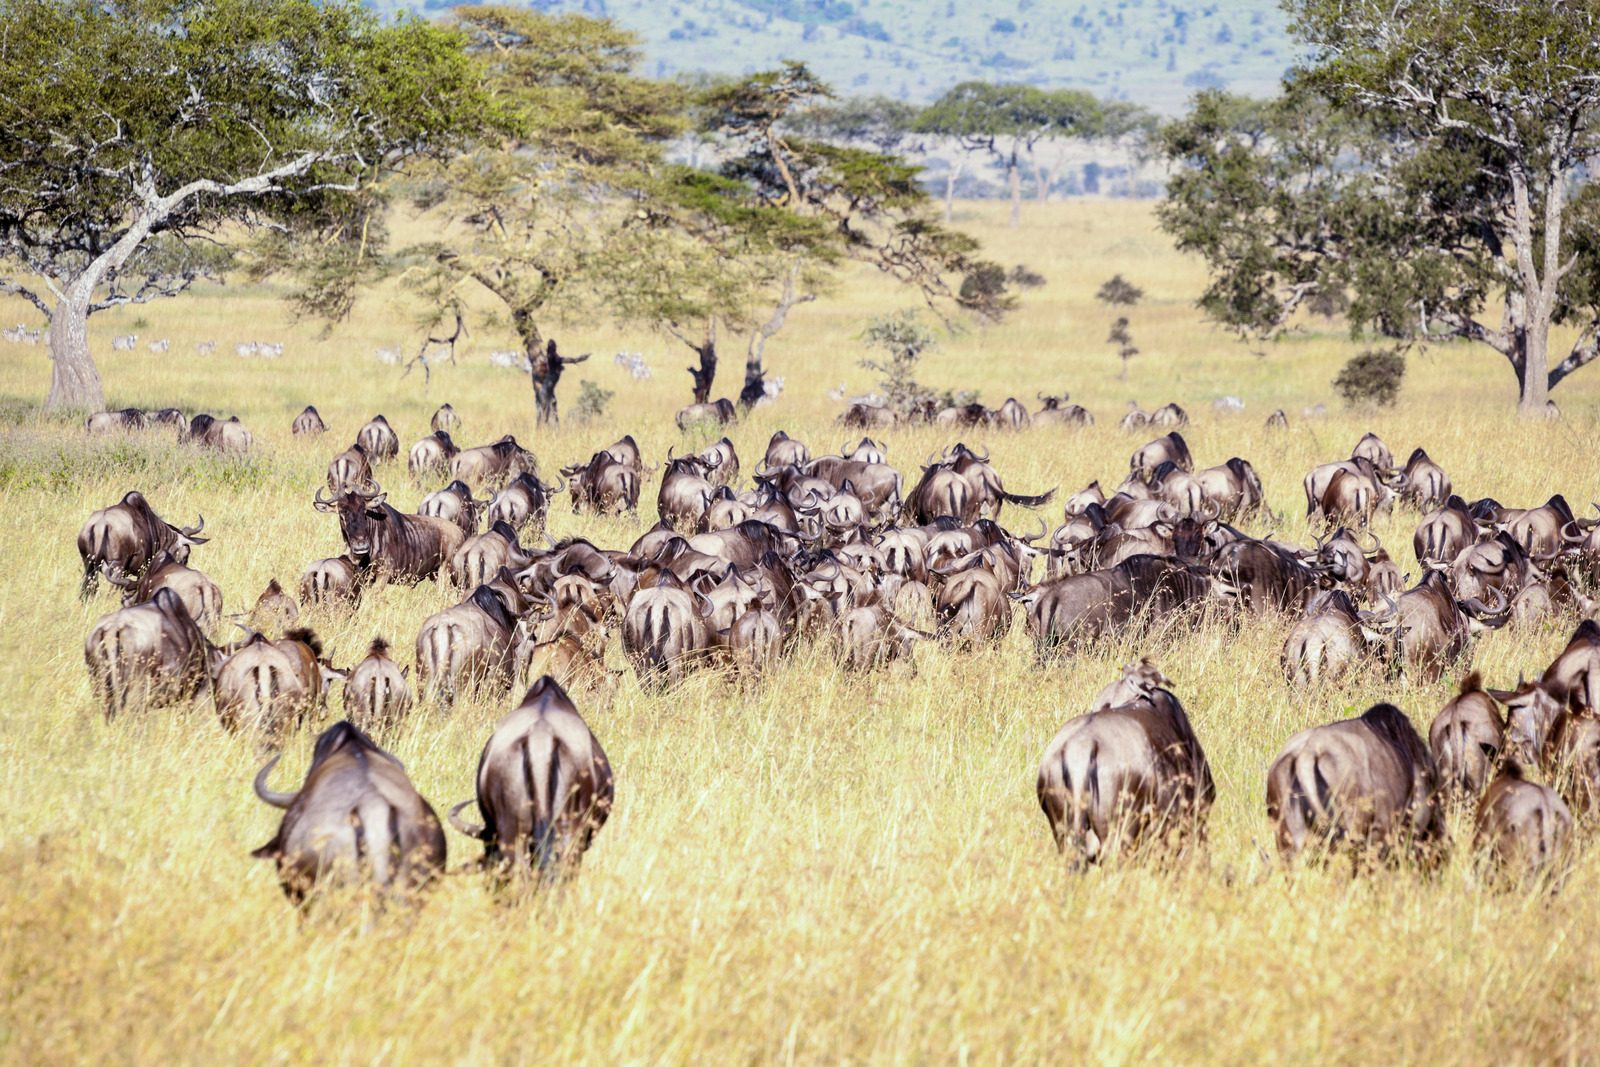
(1427, 164)
(1117, 291)
(904, 336)
(135, 133)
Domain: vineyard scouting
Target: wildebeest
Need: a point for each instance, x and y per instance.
(379, 439)
(481, 556)
(224, 435)
(605, 484)
(454, 504)
(1126, 779)
(1057, 412)
(1170, 448)
(470, 643)
(432, 453)
(148, 655)
(1367, 783)
(376, 693)
(523, 502)
(126, 536)
(308, 423)
(382, 542)
(1524, 829)
(1422, 483)
(1372, 449)
(445, 419)
(102, 422)
(1444, 533)
(350, 469)
(1012, 415)
(201, 596)
(544, 787)
(685, 492)
(1426, 628)
(270, 685)
(664, 631)
(723, 462)
(331, 580)
(1326, 642)
(357, 819)
(274, 609)
(493, 465)
(1466, 739)
(1348, 491)
(720, 412)
(1063, 613)
(1278, 420)
(785, 451)
(1169, 414)
(863, 416)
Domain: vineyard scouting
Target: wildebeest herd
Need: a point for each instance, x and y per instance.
(834, 551)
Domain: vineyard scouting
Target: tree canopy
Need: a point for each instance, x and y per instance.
(1426, 168)
(133, 131)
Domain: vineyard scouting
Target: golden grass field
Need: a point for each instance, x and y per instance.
(825, 868)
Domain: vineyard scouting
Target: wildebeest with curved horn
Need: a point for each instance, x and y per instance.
(1126, 779)
(1169, 448)
(1364, 783)
(523, 502)
(544, 786)
(1422, 483)
(470, 643)
(454, 504)
(785, 451)
(202, 597)
(1325, 643)
(224, 435)
(357, 819)
(126, 536)
(308, 423)
(332, 580)
(379, 439)
(385, 543)
(721, 412)
(350, 469)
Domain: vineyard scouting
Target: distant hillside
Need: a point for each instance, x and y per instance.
(1153, 52)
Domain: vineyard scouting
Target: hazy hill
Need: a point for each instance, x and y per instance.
(1154, 52)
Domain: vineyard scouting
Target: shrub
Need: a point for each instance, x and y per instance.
(1373, 377)
(1024, 277)
(905, 336)
(591, 402)
(1119, 292)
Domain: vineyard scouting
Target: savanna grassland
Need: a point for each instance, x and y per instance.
(822, 868)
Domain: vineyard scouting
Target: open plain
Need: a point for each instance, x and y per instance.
(822, 867)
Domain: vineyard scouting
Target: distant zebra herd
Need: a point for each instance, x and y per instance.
(129, 342)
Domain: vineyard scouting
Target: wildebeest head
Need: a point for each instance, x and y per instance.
(1138, 681)
(1532, 715)
(361, 512)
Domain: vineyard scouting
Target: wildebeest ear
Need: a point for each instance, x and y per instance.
(376, 503)
(405, 672)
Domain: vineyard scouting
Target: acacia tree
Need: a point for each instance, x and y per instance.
(133, 133)
(536, 218)
(1425, 167)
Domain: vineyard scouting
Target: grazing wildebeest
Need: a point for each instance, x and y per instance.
(1466, 738)
(357, 819)
(785, 451)
(524, 501)
(332, 580)
(493, 465)
(127, 419)
(720, 412)
(1444, 533)
(470, 644)
(271, 685)
(1326, 642)
(1065, 612)
(1012, 415)
(1169, 414)
(274, 609)
(224, 435)
(1350, 490)
(664, 631)
(379, 439)
(1126, 779)
(1523, 829)
(201, 596)
(723, 463)
(1171, 448)
(454, 504)
(308, 423)
(544, 787)
(1278, 420)
(445, 419)
(685, 492)
(1426, 628)
(171, 418)
(1057, 412)
(481, 556)
(1365, 783)
(376, 693)
(149, 655)
(126, 536)
(350, 469)
(1422, 483)
(385, 543)
(604, 485)
(1372, 449)
(431, 454)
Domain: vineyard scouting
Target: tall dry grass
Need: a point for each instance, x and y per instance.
(822, 868)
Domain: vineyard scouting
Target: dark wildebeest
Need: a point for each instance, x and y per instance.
(1466, 739)
(863, 416)
(431, 454)
(604, 485)
(384, 543)
(524, 501)
(1422, 483)
(1366, 783)
(1561, 738)
(201, 596)
(1171, 448)
(350, 469)
(149, 655)
(1345, 491)
(331, 580)
(1538, 530)
(720, 412)
(379, 439)
(1126, 779)
(445, 419)
(544, 787)
(308, 423)
(1233, 488)
(1012, 415)
(357, 819)
(470, 644)
(376, 693)
(1444, 533)
(1169, 415)
(125, 537)
(271, 685)
(1080, 607)
(454, 504)
(224, 435)
(685, 492)
(1057, 412)
(480, 558)
(1426, 628)
(1523, 829)
(102, 422)
(1262, 576)
(1278, 420)
(493, 465)
(171, 418)
(1326, 642)
(723, 462)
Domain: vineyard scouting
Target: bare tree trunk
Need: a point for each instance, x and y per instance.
(755, 371)
(706, 373)
(74, 380)
(1014, 178)
(951, 177)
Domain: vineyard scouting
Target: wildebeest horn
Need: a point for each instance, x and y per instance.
(321, 504)
(1478, 608)
(1571, 538)
(276, 799)
(1031, 538)
(985, 457)
(1377, 545)
(467, 828)
(190, 531)
(1211, 510)
(117, 577)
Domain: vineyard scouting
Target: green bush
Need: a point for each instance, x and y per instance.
(1373, 377)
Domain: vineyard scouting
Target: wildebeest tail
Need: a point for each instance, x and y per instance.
(1023, 501)
(546, 777)
(1080, 771)
(1310, 800)
(376, 828)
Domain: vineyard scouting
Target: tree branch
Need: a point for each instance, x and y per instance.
(15, 289)
(1584, 352)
